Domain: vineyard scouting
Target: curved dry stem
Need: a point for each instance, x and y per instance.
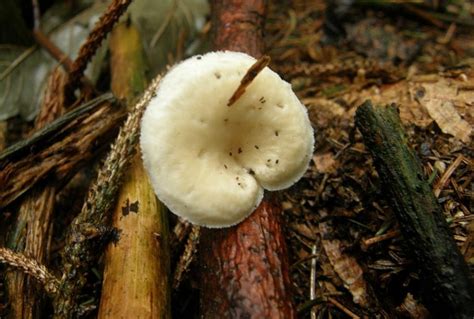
(31, 267)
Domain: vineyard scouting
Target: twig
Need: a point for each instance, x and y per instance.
(343, 308)
(30, 267)
(179, 234)
(166, 21)
(251, 74)
(55, 52)
(312, 283)
(245, 268)
(187, 256)
(136, 275)
(425, 16)
(17, 62)
(377, 239)
(447, 174)
(99, 33)
(36, 14)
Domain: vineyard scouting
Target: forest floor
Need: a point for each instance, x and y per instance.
(348, 258)
(339, 225)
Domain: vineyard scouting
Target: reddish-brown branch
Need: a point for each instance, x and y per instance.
(52, 49)
(244, 269)
(238, 25)
(95, 38)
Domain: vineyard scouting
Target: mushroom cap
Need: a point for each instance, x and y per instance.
(209, 162)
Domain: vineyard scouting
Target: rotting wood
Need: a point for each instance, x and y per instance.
(89, 230)
(32, 231)
(444, 273)
(136, 276)
(244, 268)
(59, 149)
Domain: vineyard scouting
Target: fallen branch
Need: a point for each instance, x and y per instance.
(32, 232)
(58, 149)
(445, 275)
(136, 277)
(89, 229)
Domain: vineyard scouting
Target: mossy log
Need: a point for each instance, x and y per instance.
(448, 289)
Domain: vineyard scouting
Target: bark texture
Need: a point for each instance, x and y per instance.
(59, 149)
(449, 290)
(32, 232)
(244, 268)
(237, 25)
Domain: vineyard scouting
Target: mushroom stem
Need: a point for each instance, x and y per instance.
(249, 76)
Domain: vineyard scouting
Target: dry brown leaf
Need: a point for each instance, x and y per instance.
(322, 112)
(442, 99)
(399, 93)
(449, 102)
(325, 163)
(303, 230)
(345, 266)
(411, 308)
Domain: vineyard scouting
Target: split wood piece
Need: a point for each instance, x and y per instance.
(32, 231)
(244, 268)
(136, 276)
(448, 288)
(59, 149)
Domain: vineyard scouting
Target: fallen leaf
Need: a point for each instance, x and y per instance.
(440, 100)
(411, 308)
(325, 163)
(346, 266)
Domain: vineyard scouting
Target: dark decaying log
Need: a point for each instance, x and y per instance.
(448, 288)
(244, 268)
(59, 149)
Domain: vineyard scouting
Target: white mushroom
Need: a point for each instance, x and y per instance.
(209, 162)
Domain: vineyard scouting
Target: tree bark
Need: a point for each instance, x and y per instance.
(244, 268)
(448, 288)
